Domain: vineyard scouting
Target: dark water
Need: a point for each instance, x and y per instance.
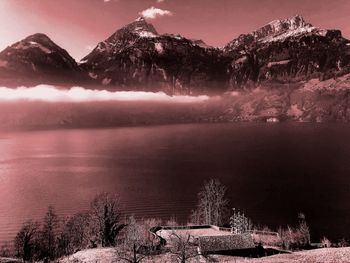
(272, 172)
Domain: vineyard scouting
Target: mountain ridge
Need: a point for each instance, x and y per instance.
(137, 57)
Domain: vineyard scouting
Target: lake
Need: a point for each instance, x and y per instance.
(272, 172)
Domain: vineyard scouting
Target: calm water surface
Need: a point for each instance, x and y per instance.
(271, 171)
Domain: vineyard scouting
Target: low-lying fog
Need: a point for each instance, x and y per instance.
(48, 107)
(78, 94)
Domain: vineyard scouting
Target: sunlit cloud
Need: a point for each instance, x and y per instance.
(154, 12)
(78, 94)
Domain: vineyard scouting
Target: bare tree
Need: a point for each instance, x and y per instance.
(49, 235)
(105, 218)
(74, 234)
(212, 204)
(26, 241)
(183, 247)
(136, 244)
(304, 230)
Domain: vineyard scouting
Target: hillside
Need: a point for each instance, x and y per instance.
(307, 101)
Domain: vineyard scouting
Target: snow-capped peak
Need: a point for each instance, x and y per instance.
(277, 30)
(39, 41)
(279, 27)
(291, 23)
(141, 18)
(141, 28)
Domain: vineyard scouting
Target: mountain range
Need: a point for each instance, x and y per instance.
(137, 57)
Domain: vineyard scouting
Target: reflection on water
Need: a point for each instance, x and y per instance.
(272, 171)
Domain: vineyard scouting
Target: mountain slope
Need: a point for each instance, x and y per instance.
(282, 51)
(36, 59)
(136, 56)
(287, 51)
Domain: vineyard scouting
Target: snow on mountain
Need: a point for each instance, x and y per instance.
(32, 44)
(139, 27)
(122, 38)
(159, 47)
(277, 27)
(277, 30)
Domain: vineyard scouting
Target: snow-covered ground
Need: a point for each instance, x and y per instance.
(324, 255)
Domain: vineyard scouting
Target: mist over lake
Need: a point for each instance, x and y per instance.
(272, 171)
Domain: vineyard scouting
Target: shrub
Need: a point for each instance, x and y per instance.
(343, 243)
(5, 250)
(171, 222)
(182, 247)
(137, 242)
(325, 242)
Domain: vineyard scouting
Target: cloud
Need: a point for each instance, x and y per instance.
(160, 1)
(78, 94)
(154, 12)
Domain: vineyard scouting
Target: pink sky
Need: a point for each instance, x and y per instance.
(78, 25)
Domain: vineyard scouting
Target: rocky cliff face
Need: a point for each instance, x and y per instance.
(287, 51)
(137, 57)
(36, 59)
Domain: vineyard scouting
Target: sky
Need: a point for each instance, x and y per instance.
(78, 25)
